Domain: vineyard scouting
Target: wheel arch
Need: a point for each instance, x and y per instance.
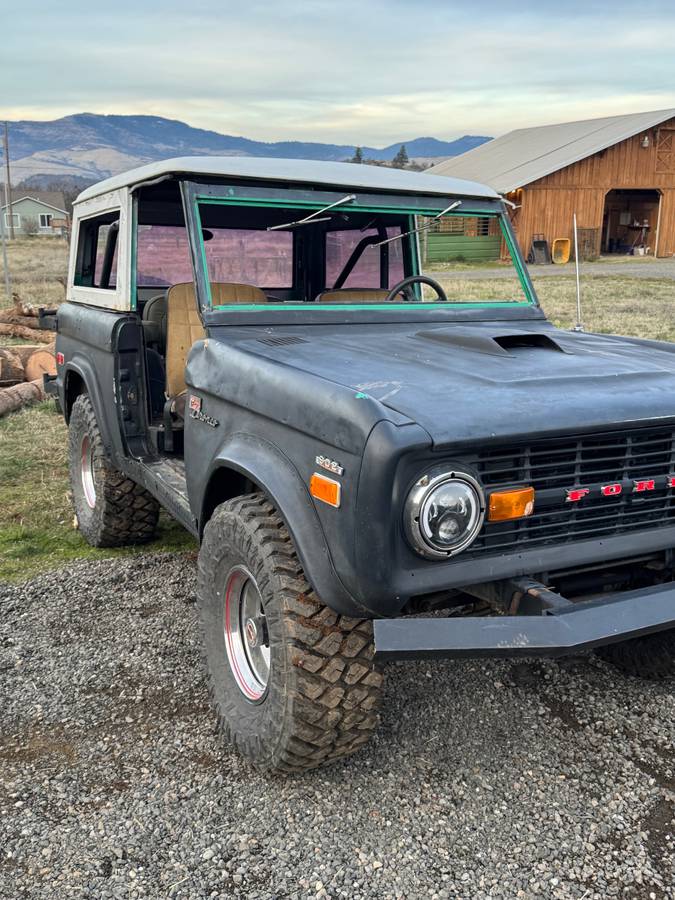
(225, 483)
(249, 464)
(73, 386)
(80, 378)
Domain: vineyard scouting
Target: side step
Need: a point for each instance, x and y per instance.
(165, 479)
(568, 629)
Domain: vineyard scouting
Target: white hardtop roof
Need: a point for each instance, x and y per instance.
(522, 156)
(336, 174)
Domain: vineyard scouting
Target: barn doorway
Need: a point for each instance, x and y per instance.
(631, 222)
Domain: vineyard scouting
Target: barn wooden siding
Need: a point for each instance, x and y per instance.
(549, 203)
(463, 238)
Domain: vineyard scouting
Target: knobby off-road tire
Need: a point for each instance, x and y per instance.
(319, 700)
(111, 509)
(651, 657)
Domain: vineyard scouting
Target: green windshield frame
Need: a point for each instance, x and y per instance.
(235, 198)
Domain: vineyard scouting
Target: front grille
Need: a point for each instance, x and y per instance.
(553, 466)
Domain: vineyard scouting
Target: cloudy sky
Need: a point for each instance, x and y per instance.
(338, 70)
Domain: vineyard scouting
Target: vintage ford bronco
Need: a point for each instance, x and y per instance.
(251, 344)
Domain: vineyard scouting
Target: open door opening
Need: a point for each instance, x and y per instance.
(631, 222)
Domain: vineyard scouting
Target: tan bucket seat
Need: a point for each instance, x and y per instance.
(184, 327)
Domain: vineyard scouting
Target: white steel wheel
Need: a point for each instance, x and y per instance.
(246, 638)
(87, 471)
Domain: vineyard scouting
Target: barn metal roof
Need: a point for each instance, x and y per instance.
(526, 154)
(336, 174)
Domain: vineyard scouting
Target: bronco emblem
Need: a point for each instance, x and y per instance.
(196, 412)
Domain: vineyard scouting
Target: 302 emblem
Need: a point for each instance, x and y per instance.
(330, 464)
(195, 405)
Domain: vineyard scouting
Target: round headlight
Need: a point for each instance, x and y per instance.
(443, 513)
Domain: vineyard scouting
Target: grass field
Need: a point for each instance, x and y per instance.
(38, 269)
(641, 307)
(36, 519)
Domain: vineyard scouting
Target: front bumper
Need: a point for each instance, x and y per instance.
(556, 632)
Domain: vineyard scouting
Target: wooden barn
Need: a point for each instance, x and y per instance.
(617, 174)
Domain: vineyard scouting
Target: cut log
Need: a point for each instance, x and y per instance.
(24, 351)
(11, 368)
(40, 362)
(28, 334)
(19, 395)
(10, 317)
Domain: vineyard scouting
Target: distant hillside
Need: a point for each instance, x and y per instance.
(89, 146)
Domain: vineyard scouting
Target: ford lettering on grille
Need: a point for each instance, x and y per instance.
(587, 487)
(635, 486)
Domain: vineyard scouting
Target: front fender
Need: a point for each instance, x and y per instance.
(266, 466)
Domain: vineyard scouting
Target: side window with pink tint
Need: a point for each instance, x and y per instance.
(366, 273)
(162, 256)
(101, 243)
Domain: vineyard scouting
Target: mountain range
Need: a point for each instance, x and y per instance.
(88, 147)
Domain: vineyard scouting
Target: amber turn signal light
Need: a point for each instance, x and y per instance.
(325, 489)
(514, 504)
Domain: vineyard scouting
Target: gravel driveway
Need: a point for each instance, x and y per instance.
(485, 780)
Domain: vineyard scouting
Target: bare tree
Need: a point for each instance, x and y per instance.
(29, 225)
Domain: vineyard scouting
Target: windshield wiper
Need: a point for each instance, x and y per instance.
(398, 237)
(312, 217)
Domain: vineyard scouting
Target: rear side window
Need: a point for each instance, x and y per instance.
(96, 264)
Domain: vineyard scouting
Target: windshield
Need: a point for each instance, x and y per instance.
(340, 254)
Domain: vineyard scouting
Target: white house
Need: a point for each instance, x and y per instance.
(36, 212)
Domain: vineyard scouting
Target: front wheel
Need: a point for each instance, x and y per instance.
(293, 683)
(111, 509)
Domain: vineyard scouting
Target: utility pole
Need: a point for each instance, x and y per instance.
(5, 265)
(8, 185)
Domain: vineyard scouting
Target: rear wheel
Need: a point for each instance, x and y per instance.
(111, 509)
(293, 683)
(651, 657)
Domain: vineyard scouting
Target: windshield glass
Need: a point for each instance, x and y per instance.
(343, 255)
(340, 245)
(470, 258)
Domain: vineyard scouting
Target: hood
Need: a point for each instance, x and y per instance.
(487, 380)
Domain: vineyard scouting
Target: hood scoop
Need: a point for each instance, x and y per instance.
(526, 341)
(480, 341)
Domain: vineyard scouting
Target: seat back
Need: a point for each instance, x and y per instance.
(154, 321)
(353, 295)
(224, 292)
(184, 327)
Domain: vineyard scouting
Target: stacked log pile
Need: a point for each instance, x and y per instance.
(23, 365)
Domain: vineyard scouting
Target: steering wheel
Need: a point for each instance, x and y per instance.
(403, 287)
